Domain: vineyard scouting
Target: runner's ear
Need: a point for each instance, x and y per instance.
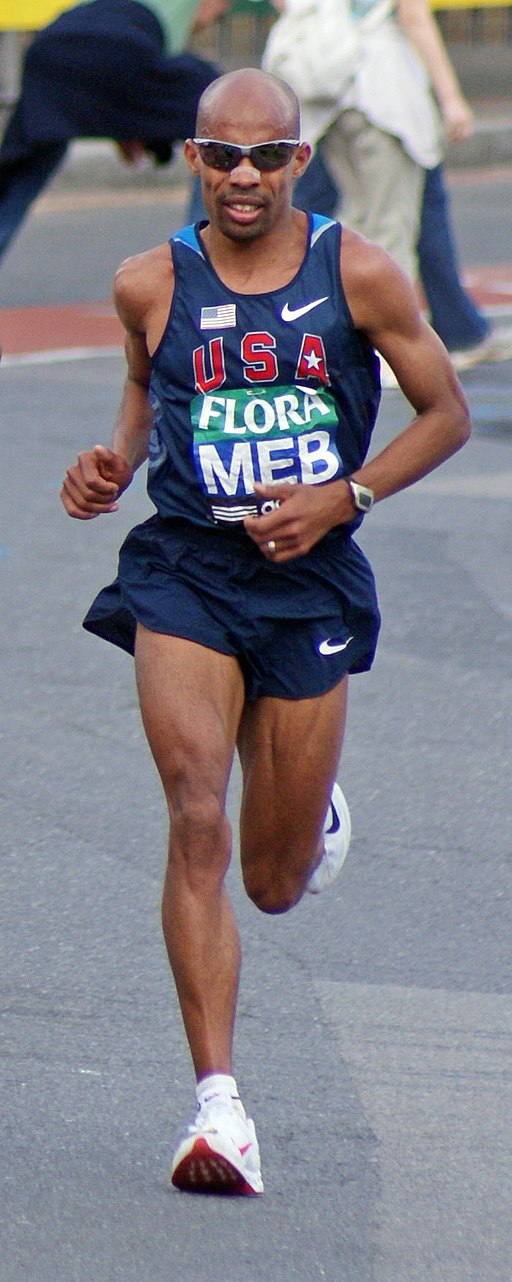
(301, 159)
(191, 154)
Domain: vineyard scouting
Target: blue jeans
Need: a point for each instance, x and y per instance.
(453, 314)
(23, 180)
(20, 182)
(452, 311)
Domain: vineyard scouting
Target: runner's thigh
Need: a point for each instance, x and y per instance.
(191, 701)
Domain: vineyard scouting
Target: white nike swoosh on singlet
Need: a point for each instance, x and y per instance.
(333, 647)
(293, 313)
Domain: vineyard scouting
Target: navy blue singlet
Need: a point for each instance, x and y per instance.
(266, 387)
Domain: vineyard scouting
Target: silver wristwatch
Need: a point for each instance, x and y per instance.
(363, 498)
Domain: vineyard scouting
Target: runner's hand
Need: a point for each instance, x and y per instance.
(92, 486)
(300, 515)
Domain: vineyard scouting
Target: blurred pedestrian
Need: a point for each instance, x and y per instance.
(381, 151)
(464, 329)
(252, 388)
(381, 133)
(103, 69)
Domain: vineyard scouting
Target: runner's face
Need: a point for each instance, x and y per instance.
(246, 202)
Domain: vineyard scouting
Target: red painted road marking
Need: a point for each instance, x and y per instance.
(491, 286)
(44, 329)
(83, 326)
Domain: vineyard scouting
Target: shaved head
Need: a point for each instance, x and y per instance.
(243, 97)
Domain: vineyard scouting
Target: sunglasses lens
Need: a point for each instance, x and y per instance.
(273, 156)
(265, 156)
(219, 155)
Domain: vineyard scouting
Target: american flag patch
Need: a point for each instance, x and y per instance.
(223, 317)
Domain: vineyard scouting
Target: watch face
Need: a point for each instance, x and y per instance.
(363, 498)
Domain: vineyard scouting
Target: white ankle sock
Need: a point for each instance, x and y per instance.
(215, 1085)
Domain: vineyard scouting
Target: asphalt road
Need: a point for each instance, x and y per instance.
(374, 1045)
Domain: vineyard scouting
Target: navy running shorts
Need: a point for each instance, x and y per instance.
(296, 628)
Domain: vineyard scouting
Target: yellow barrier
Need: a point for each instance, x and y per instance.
(30, 15)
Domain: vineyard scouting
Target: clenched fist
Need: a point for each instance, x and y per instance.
(95, 482)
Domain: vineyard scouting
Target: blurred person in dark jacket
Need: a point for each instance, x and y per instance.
(104, 69)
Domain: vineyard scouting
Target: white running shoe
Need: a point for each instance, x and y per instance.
(496, 346)
(220, 1153)
(388, 378)
(337, 830)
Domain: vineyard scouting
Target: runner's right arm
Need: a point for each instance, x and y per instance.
(96, 481)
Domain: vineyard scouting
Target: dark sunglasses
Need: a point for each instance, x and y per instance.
(265, 156)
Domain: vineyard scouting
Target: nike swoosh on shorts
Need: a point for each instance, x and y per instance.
(332, 646)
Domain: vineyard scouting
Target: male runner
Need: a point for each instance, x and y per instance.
(253, 388)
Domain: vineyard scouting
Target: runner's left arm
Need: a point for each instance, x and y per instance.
(383, 306)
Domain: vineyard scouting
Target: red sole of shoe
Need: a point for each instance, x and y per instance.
(202, 1171)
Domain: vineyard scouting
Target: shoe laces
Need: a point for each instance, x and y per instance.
(217, 1114)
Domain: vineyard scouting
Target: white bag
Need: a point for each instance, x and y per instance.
(393, 91)
(315, 46)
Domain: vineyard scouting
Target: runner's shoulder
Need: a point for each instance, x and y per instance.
(141, 281)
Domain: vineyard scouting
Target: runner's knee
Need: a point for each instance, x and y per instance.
(200, 838)
(272, 892)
